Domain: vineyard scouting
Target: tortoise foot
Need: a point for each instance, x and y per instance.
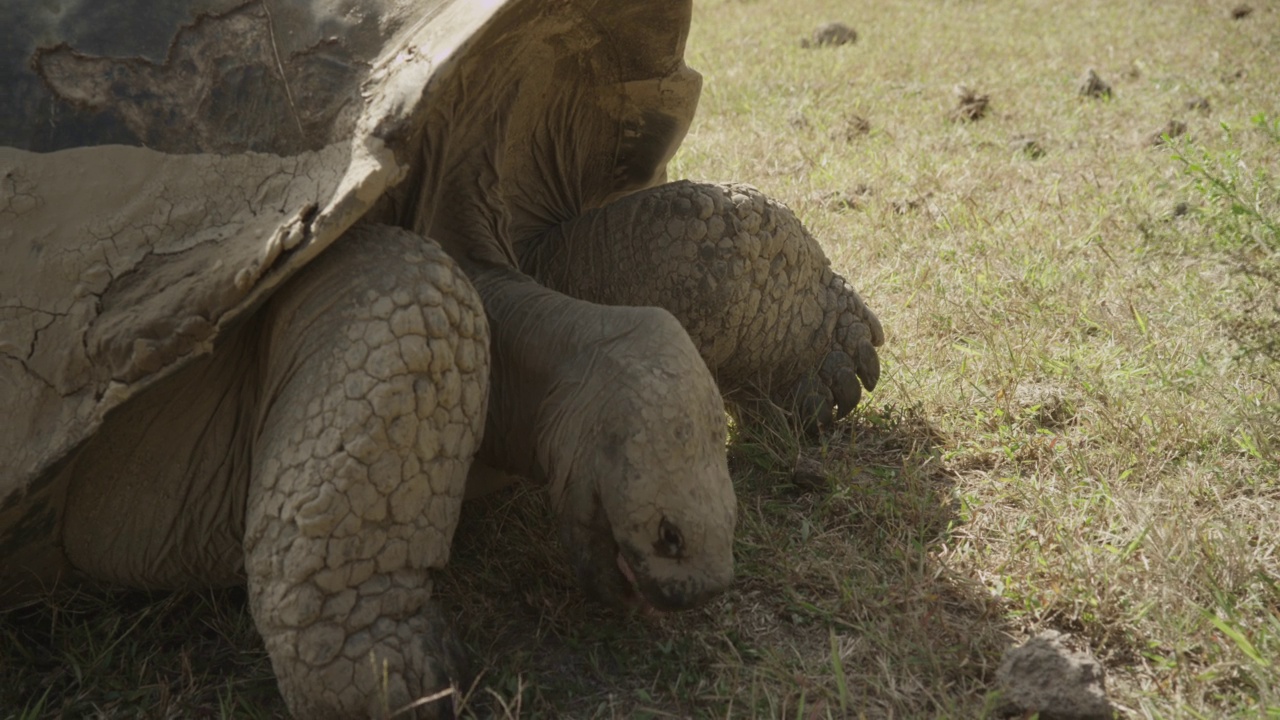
(745, 278)
(376, 372)
(832, 389)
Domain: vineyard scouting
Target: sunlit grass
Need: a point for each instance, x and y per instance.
(1068, 433)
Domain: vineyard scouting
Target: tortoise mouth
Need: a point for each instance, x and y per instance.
(650, 596)
(614, 573)
(602, 570)
(634, 597)
(607, 575)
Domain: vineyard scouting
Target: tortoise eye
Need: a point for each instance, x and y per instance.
(670, 543)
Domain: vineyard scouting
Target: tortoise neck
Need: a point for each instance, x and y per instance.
(544, 349)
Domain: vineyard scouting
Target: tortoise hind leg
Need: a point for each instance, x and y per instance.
(376, 372)
(744, 277)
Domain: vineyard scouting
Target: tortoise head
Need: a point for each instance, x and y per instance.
(641, 481)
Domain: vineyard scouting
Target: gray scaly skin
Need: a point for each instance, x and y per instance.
(361, 472)
(744, 277)
(338, 425)
(616, 410)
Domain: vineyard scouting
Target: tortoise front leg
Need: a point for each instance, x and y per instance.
(376, 372)
(744, 277)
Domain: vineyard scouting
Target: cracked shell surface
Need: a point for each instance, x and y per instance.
(126, 247)
(133, 233)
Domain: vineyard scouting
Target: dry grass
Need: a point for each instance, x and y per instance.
(1066, 436)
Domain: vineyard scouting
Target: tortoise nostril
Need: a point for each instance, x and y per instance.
(670, 542)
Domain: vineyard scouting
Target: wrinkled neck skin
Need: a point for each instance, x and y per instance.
(615, 409)
(541, 341)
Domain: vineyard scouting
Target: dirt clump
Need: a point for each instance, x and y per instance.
(798, 121)
(1043, 405)
(913, 204)
(1028, 145)
(830, 34)
(1198, 103)
(1047, 677)
(851, 127)
(970, 107)
(853, 198)
(1093, 86)
(1171, 129)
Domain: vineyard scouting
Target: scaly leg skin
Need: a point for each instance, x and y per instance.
(744, 277)
(376, 376)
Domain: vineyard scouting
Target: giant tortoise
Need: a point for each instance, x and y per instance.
(273, 273)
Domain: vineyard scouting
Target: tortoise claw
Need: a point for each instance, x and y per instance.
(813, 403)
(850, 364)
(868, 365)
(841, 374)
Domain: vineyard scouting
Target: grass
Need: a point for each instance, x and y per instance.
(1076, 429)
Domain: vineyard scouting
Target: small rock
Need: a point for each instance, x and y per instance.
(1044, 676)
(1028, 145)
(851, 128)
(1199, 103)
(1241, 12)
(1093, 86)
(830, 34)
(1172, 129)
(971, 107)
(809, 474)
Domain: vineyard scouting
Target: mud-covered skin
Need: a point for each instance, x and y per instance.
(375, 396)
(743, 276)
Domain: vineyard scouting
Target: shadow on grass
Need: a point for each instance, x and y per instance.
(844, 602)
(135, 654)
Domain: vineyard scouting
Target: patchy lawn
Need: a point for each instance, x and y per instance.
(1076, 427)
